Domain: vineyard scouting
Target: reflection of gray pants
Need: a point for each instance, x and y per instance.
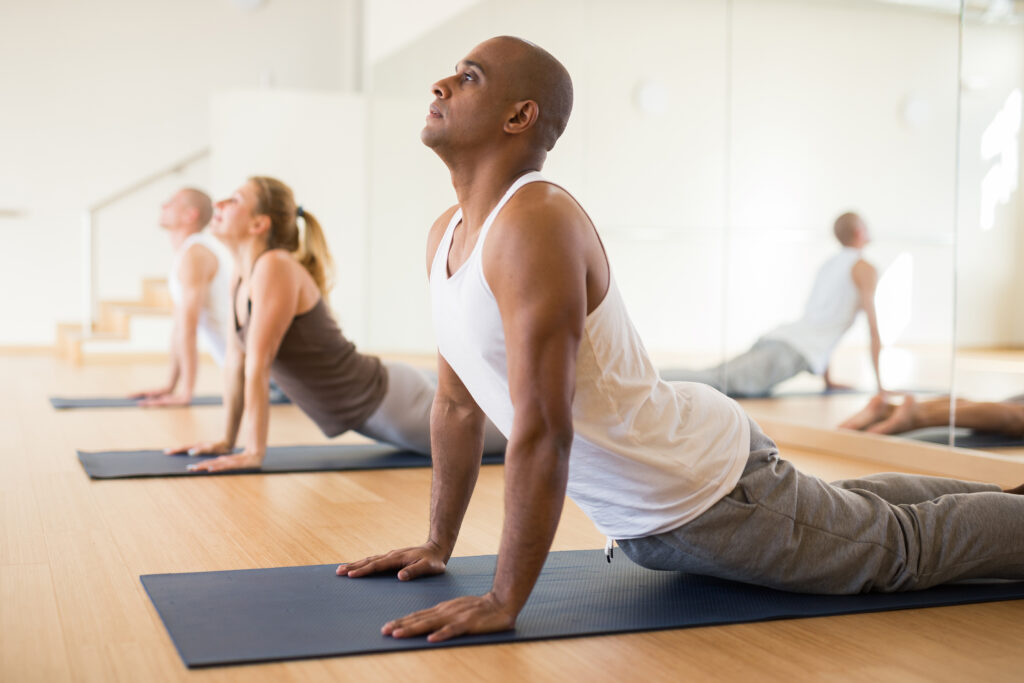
(754, 373)
(886, 532)
(403, 417)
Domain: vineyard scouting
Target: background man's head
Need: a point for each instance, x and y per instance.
(851, 230)
(187, 209)
(504, 87)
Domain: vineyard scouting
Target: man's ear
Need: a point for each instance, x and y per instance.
(524, 116)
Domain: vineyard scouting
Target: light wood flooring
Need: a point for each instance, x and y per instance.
(71, 552)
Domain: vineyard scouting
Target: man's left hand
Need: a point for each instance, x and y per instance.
(166, 401)
(461, 616)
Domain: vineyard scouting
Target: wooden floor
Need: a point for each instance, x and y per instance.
(71, 552)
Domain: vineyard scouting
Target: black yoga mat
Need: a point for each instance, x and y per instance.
(965, 438)
(67, 403)
(331, 457)
(259, 615)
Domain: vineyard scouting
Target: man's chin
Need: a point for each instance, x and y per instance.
(429, 137)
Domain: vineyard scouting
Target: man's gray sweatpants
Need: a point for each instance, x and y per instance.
(887, 532)
(751, 374)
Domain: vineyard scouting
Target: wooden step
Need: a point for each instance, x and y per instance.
(155, 292)
(113, 320)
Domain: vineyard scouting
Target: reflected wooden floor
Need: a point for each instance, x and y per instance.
(71, 552)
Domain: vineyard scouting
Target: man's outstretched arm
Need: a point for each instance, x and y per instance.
(456, 445)
(196, 271)
(865, 277)
(537, 273)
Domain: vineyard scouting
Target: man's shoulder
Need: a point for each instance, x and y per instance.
(441, 222)
(863, 273)
(538, 209)
(197, 261)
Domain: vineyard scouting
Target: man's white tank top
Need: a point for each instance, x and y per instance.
(647, 456)
(214, 315)
(831, 309)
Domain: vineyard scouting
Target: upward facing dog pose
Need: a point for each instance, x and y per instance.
(532, 332)
(198, 284)
(844, 286)
(284, 330)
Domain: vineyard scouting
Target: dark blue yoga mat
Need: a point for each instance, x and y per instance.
(965, 438)
(66, 403)
(331, 457)
(259, 615)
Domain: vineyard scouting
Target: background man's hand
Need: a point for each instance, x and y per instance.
(150, 393)
(165, 400)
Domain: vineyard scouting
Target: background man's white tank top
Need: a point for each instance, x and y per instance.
(214, 315)
(831, 309)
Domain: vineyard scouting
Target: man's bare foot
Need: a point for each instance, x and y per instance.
(1017, 491)
(876, 410)
(901, 420)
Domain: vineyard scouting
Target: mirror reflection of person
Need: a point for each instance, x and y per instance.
(844, 286)
(283, 330)
(533, 332)
(198, 285)
(885, 416)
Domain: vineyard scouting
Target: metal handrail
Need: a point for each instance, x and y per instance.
(89, 230)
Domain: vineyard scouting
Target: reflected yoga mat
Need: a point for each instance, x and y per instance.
(65, 403)
(964, 438)
(153, 463)
(259, 615)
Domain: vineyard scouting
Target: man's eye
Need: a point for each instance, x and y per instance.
(466, 76)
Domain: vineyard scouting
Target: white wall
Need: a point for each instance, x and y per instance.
(98, 94)
(715, 211)
(817, 101)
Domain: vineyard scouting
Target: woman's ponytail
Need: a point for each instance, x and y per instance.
(276, 200)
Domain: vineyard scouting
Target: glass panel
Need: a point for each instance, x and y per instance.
(988, 368)
(843, 107)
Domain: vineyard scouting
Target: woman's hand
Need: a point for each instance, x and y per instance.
(246, 460)
(205, 448)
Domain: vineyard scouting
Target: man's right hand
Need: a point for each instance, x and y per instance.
(410, 563)
(207, 448)
(150, 394)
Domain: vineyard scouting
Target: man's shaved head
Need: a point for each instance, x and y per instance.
(200, 201)
(536, 75)
(848, 228)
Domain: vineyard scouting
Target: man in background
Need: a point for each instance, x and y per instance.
(198, 284)
(844, 286)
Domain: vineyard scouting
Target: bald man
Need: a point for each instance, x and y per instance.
(198, 284)
(845, 286)
(533, 333)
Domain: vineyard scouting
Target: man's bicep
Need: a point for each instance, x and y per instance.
(543, 311)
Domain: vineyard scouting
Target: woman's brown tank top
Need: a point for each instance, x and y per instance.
(321, 371)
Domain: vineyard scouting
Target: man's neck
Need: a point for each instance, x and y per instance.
(479, 184)
(180, 234)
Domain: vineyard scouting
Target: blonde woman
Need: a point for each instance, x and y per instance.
(283, 329)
